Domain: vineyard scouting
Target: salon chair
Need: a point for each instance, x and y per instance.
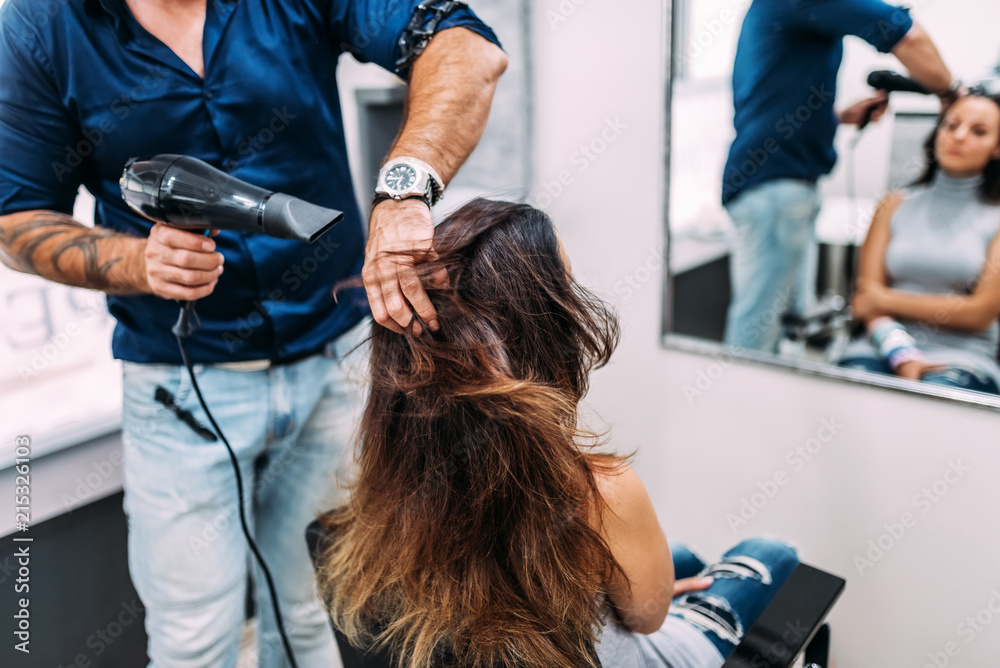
(791, 625)
(827, 326)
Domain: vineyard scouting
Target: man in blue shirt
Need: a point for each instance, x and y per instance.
(249, 87)
(784, 86)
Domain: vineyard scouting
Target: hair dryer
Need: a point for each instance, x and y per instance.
(892, 82)
(189, 193)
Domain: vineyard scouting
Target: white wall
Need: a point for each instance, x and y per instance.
(700, 458)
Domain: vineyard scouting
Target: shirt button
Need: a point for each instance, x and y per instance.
(229, 164)
(208, 94)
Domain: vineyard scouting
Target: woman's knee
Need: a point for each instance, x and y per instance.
(777, 557)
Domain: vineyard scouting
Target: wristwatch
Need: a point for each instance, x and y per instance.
(403, 178)
(952, 92)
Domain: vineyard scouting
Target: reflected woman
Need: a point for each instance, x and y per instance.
(929, 277)
(484, 528)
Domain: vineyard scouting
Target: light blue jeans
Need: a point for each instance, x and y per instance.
(290, 427)
(773, 265)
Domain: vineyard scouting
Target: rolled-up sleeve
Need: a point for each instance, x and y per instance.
(38, 166)
(370, 29)
(880, 24)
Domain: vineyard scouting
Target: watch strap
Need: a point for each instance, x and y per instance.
(952, 92)
(381, 197)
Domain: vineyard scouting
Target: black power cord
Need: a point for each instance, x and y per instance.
(187, 323)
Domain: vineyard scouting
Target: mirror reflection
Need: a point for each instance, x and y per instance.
(840, 170)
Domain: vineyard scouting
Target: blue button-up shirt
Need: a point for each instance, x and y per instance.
(785, 82)
(84, 87)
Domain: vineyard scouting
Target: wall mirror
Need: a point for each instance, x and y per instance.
(815, 324)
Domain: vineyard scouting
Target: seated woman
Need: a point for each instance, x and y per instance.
(928, 286)
(484, 528)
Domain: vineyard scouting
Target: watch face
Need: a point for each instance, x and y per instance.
(401, 177)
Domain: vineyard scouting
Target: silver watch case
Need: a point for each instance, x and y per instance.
(404, 177)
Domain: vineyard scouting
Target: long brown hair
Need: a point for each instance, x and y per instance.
(469, 537)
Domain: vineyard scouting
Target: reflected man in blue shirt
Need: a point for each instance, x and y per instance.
(784, 88)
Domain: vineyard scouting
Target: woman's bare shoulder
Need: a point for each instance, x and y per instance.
(622, 492)
(890, 202)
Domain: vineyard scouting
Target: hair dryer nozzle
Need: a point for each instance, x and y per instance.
(288, 217)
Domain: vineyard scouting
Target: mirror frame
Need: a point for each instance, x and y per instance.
(690, 344)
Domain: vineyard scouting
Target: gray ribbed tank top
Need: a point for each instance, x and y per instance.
(676, 644)
(940, 236)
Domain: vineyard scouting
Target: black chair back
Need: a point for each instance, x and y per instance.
(318, 538)
(352, 657)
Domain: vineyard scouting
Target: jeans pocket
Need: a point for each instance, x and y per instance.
(740, 211)
(141, 382)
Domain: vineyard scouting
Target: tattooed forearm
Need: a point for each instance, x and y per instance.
(54, 246)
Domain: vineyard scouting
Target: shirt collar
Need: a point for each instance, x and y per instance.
(112, 7)
(118, 12)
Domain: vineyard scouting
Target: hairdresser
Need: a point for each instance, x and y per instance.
(249, 87)
(784, 89)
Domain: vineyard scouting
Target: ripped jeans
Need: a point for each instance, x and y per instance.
(952, 376)
(745, 580)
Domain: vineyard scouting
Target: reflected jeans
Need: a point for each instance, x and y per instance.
(773, 262)
(746, 578)
(964, 379)
(290, 427)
